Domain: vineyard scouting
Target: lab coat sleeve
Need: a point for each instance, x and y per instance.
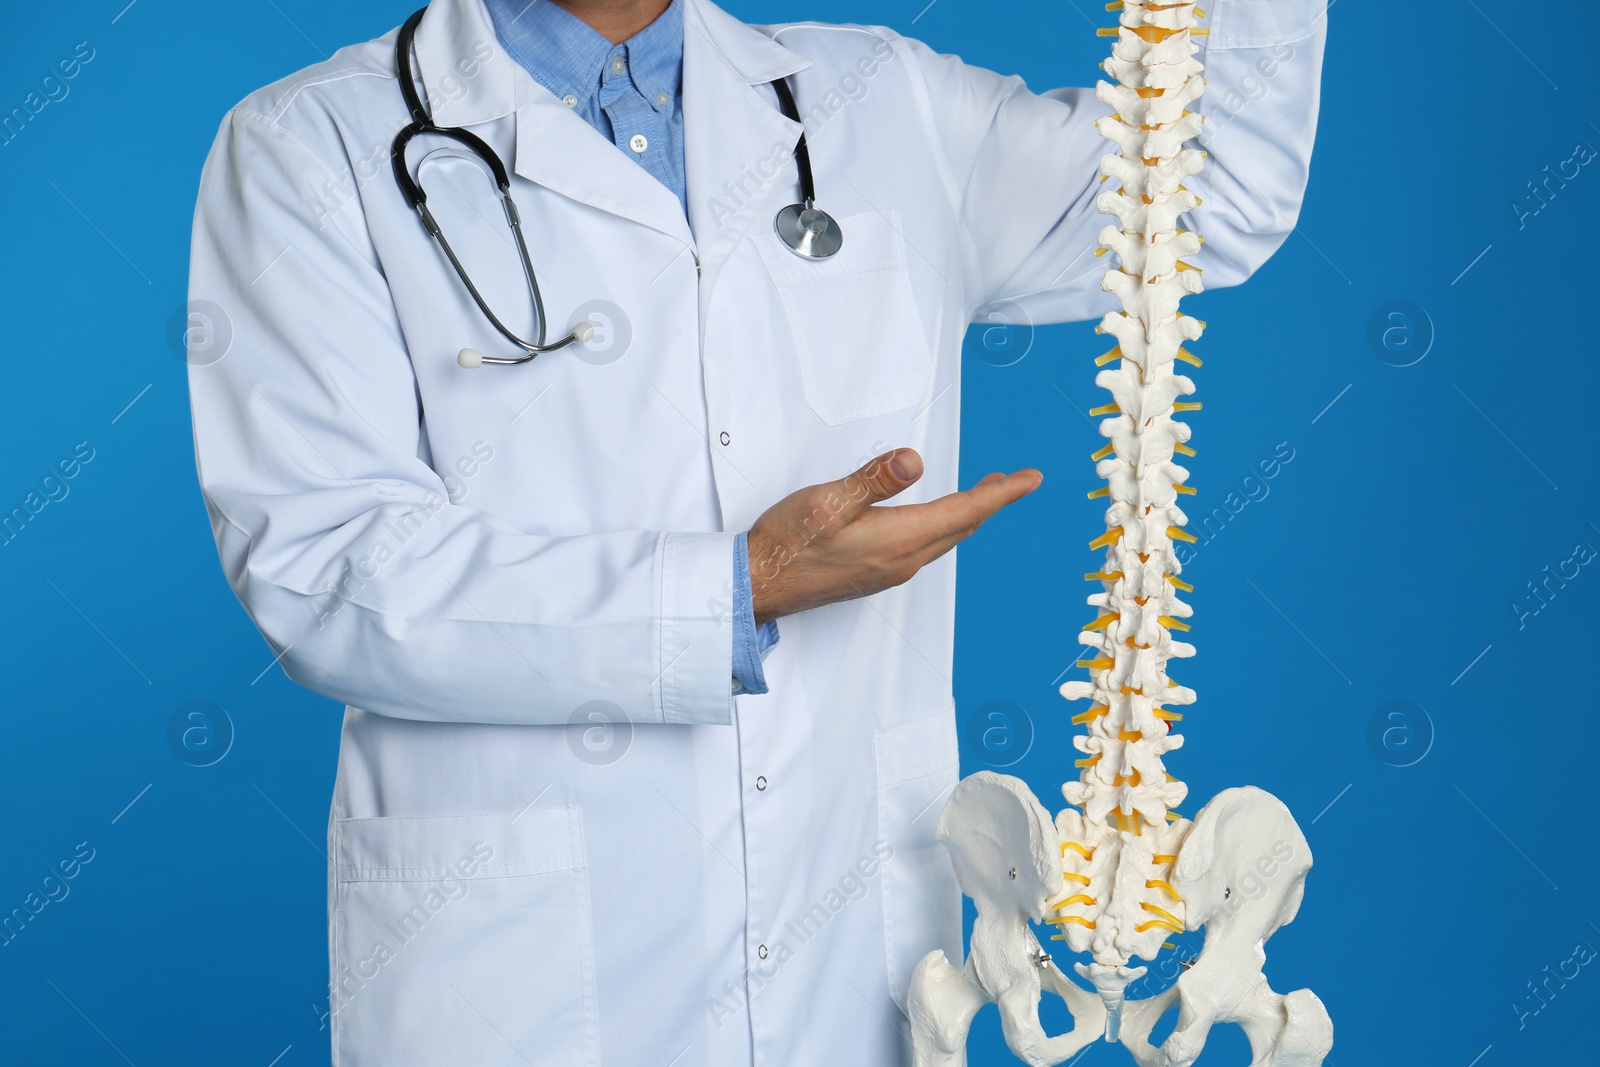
(1024, 167)
(370, 584)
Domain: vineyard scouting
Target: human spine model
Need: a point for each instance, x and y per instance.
(1119, 871)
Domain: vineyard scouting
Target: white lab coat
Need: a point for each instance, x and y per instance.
(472, 560)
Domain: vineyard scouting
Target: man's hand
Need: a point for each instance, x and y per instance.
(827, 543)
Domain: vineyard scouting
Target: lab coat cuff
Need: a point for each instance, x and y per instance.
(696, 649)
(1263, 23)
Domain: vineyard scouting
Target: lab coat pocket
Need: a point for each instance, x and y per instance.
(917, 766)
(462, 939)
(857, 334)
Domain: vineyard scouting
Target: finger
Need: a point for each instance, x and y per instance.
(881, 478)
(992, 494)
(973, 506)
(939, 546)
(961, 513)
(955, 535)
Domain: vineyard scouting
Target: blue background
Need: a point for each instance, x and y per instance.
(1384, 562)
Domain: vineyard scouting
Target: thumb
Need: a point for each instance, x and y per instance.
(881, 478)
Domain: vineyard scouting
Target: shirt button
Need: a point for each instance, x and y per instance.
(570, 100)
(663, 99)
(638, 143)
(761, 783)
(738, 686)
(762, 951)
(617, 65)
(725, 439)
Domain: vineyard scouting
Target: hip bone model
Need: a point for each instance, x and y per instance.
(1118, 871)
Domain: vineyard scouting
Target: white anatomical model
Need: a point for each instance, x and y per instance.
(1006, 856)
(1119, 870)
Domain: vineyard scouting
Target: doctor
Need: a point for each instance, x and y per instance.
(591, 805)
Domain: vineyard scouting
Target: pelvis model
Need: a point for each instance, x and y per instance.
(1118, 871)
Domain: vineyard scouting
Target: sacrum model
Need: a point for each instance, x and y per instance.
(1119, 870)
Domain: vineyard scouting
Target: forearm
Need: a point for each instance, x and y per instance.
(427, 610)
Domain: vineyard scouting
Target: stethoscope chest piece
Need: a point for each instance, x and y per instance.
(809, 231)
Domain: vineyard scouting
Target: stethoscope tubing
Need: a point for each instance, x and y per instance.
(805, 229)
(422, 122)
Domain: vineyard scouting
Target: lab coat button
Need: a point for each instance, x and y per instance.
(762, 951)
(761, 782)
(638, 143)
(725, 439)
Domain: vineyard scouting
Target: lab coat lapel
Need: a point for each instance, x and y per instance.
(560, 151)
(554, 147)
(737, 144)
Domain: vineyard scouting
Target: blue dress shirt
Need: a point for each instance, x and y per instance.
(629, 92)
(632, 94)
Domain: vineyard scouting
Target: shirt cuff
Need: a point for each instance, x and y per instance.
(750, 642)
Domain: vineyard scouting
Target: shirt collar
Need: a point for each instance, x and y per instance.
(568, 56)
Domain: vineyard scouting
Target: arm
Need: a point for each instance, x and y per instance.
(343, 544)
(1023, 168)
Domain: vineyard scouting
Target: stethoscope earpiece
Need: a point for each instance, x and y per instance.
(470, 357)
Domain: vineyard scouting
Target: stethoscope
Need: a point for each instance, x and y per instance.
(807, 230)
